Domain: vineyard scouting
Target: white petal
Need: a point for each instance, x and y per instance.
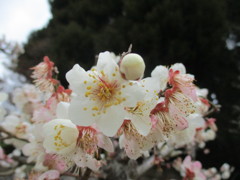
(133, 92)
(161, 75)
(85, 160)
(111, 121)
(76, 77)
(132, 148)
(180, 67)
(68, 134)
(80, 111)
(107, 64)
(143, 125)
(62, 110)
(152, 85)
(105, 142)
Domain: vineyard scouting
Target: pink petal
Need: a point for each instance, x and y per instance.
(189, 91)
(181, 121)
(49, 175)
(104, 142)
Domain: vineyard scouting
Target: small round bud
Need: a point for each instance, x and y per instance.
(132, 66)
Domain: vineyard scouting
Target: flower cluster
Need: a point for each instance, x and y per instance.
(71, 131)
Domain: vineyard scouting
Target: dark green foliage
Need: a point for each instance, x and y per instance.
(163, 32)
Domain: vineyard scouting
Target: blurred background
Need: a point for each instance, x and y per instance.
(203, 35)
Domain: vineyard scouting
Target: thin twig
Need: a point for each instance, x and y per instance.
(10, 135)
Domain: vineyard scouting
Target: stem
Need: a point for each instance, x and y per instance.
(214, 108)
(86, 174)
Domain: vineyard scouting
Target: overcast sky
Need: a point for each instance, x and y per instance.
(19, 17)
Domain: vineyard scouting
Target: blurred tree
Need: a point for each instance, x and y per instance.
(162, 31)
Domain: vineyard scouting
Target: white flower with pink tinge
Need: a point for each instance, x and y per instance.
(134, 143)
(74, 144)
(102, 95)
(192, 169)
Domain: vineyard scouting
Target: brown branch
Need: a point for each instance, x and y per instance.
(10, 135)
(86, 174)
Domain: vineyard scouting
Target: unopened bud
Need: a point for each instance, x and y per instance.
(132, 66)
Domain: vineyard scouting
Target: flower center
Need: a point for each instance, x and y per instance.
(165, 123)
(21, 129)
(106, 93)
(87, 139)
(58, 140)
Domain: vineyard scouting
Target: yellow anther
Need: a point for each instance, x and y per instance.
(89, 87)
(95, 108)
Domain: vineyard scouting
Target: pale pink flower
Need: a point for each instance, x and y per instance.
(211, 123)
(60, 95)
(46, 85)
(16, 126)
(184, 82)
(133, 142)
(75, 144)
(42, 75)
(52, 161)
(43, 69)
(179, 104)
(192, 170)
(88, 142)
(43, 114)
(168, 120)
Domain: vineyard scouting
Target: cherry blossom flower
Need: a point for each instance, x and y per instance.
(192, 169)
(54, 162)
(134, 143)
(140, 115)
(102, 95)
(168, 119)
(187, 136)
(16, 126)
(27, 98)
(180, 106)
(184, 82)
(60, 136)
(158, 80)
(74, 144)
(43, 69)
(60, 95)
(42, 75)
(34, 150)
